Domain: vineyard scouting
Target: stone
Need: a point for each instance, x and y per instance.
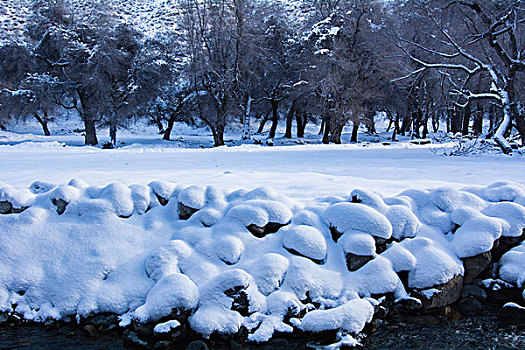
(143, 328)
(380, 244)
(164, 345)
(186, 212)
(475, 265)
(504, 244)
(90, 329)
(3, 318)
(470, 306)
(260, 232)
(105, 320)
(355, 262)
(473, 291)
(60, 204)
(440, 295)
(197, 345)
(134, 339)
(512, 313)
(5, 207)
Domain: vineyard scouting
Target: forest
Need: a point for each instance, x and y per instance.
(420, 64)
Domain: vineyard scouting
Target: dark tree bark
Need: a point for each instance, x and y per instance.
(113, 132)
(336, 132)
(218, 135)
(477, 127)
(264, 120)
(467, 113)
(405, 124)
(91, 132)
(322, 127)
(43, 122)
(301, 120)
(355, 129)
(289, 120)
(326, 131)
(275, 118)
(455, 121)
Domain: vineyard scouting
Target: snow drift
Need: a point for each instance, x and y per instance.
(253, 259)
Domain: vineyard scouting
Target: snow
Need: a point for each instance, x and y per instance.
(120, 246)
(175, 291)
(305, 240)
(351, 317)
(358, 217)
(166, 327)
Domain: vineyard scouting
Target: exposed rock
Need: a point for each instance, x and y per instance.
(164, 345)
(355, 262)
(5, 207)
(240, 303)
(512, 313)
(163, 201)
(103, 321)
(260, 232)
(3, 318)
(504, 244)
(380, 244)
(134, 339)
(143, 328)
(90, 329)
(473, 291)
(470, 306)
(186, 212)
(60, 204)
(440, 295)
(197, 345)
(475, 265)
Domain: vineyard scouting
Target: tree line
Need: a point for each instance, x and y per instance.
(420, 63)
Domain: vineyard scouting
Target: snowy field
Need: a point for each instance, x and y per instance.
(298, 171)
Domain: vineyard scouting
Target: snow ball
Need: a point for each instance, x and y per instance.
(368, 198)
(476, 236)
(305, 277)
(376, 277)
(215, 197)
(400, 200)
(461, 215)
(433, 216)
(305, 240)
(66, 193)
(18, 197)
(447, 199)
(166, 327)
(269, 271)
(175, 291)
(229, 249)
(350, 317)
(207, 216)
(434, 266)
(235, 195)
(512, 213)
(81, 185)
(306, 217)
(419, 198)
(193, 196)
(404, 223)
(281, 303)
(120, 198)
(358, 243)
(141, 197)
(164, 190)
(210, 319)
(263, 192)
(512, 266)
(400, 257)
(503, 191)
(261, 212)
(520, 200)
(41, 187)
(352, 216)
(165, 260)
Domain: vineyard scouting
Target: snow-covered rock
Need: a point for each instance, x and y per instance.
(305, 240)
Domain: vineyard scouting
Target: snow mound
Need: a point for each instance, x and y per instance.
(352, 216)
(79, 250)
(175, 291)
(305, 240)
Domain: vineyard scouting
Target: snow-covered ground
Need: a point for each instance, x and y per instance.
(298, 171)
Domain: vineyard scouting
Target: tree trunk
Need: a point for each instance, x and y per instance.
(425, 127)
(455, 122)
(336, 134)
(326, 131)
(405, 125)
(275, 118)
(355, 129)
(466, 120)
(289, 120)
(43, 122)
(218, 135)
(435, 123)
(169, 128)
(302, 120)
(321, 128)
(246, 135)
(113, 132)
(477, 128)
(520, 123)
(91, 132)
(264, 120)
